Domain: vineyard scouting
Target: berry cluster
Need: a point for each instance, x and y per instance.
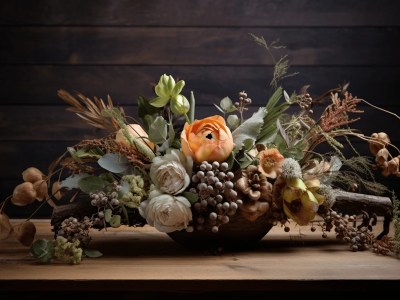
(217, 198)
(358, 237)
(72, 229)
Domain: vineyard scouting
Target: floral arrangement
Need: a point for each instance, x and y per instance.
(181, 174)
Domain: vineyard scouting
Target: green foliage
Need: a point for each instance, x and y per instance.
(192, 197)
(43, 250)
(91, 183)
(92, 253)
(158, 130)
(114, 163)
(246, 134)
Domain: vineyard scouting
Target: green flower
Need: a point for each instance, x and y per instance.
(68, 252)
(135, 191)
(168, 91)
(301, 200)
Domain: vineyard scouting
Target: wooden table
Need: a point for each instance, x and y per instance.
(142, 260)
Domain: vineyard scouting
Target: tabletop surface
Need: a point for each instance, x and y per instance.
(143, 258)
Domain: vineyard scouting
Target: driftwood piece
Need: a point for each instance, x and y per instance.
(368, 205)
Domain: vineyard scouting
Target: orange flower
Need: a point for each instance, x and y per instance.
(208, 139)
(270, 162)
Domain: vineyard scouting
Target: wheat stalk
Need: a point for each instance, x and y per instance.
(92, 111)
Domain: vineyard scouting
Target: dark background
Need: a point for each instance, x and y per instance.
(120, 48)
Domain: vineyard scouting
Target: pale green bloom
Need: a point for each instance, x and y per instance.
(135, 192)
(168, 91)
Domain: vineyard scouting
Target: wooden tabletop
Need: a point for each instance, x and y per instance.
(142, 259)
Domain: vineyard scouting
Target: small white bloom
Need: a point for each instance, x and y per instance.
(165, 212)
(171, 173)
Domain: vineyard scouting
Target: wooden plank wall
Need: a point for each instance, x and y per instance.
(120, 48)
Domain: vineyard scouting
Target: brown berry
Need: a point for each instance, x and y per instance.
(5, 227)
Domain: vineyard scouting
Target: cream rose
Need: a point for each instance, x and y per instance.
(171, 173)
(165, 212)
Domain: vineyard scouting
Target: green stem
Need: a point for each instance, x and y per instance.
(192, 106)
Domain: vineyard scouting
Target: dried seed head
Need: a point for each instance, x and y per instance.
(5, 227)
(26, 233)
(379, 140)
(41, 189)
(24, 194)
(32, 175)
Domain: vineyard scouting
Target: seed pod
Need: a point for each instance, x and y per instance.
(5, 227)
(379, 140)
(24, 194)
(26, 233)
(55, 190)
(32, 175)
(41, 190)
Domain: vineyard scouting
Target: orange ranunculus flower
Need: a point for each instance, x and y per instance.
(208, 139)
(270, 162)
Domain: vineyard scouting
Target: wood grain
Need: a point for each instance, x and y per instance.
(194, 13)
(196, 46)
(138, 259)
(37, 85)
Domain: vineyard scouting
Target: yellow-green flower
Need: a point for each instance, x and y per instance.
(301, 200)
(169, 91)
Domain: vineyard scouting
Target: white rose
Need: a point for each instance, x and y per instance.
(171, 173)
(165, 212)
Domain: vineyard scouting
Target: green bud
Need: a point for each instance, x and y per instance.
(179, 105)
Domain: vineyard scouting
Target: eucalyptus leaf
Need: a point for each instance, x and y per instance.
(92, 253)
(107, 177)
(115, 221)
(246, 134)
(43, 250)
(158, 130)
(113, 162)
(90, 183)
(233, 121)
(71, 182)
(192, 197)
(227, 105)
(107, 215)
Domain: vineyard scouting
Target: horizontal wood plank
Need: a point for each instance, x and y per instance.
(196, 46)
(201, 13)
(38, 85)
(138, 260)
(55, 123)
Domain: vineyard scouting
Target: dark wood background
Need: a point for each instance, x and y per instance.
(120, 48)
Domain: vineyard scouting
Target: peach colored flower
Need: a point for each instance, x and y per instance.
(270, 162)
(208, 139)
(135, 131)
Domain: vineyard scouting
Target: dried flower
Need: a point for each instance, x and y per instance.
(270, 162)
(378, 141)
(291, 169)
